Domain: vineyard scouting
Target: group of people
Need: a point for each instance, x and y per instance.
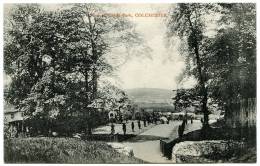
(132, 126)
(138, 124)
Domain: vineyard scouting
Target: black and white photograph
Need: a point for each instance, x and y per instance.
(129, 83)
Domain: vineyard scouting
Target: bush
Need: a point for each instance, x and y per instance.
(62, 150)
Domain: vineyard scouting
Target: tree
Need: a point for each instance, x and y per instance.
(186, 98)
(55, 59)
(19, 53)
(225, 63)
(187, 22)
(234, 51)
(113, 97)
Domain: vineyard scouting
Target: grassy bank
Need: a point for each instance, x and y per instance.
(62, 150)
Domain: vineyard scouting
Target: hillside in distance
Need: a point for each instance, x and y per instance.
(150, 95)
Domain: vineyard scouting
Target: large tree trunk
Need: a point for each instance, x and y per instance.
(86, 88)
(87, 111)
(94, 63)
(204, 92)
(94, 59)
(205, 109)
(94, 83)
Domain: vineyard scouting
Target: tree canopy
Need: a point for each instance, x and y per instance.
(224, 62)
(55, 59)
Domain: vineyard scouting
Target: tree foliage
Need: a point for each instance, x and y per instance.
(187, 22)
(55, 59)
(233, 53)
(186, 98)
(225, 63)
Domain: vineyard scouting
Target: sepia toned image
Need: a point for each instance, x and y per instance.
(88, 83)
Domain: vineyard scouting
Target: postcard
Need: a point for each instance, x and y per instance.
(132, 83)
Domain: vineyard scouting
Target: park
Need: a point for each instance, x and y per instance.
(84, 86)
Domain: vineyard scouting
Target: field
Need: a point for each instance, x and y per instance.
(62, 150)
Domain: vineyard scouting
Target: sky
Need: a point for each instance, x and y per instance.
(161, 70)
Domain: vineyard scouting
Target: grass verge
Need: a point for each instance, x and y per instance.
(62, 150)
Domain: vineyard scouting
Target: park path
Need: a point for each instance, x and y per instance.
(106, 129)
(150, 150)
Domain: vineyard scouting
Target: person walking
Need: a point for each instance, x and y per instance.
(112, 129)
(124, 128)
(183, 124)
(133, 126)
(139, 124)
(186, 118)
(180, 130)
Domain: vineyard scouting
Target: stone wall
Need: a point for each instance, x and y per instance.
(205, 151)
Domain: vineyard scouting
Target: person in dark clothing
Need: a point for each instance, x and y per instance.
(168, 120)
(191, 120)
(124, 128)
(144, 123)
(201, 120)
(183, 124)
(180, 130)
(133, 126)
(186, 118)
(112, 129)
(139, 124)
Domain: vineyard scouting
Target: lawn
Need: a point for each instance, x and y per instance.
(62, 150)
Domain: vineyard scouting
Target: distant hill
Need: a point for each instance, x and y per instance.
(151, 97)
